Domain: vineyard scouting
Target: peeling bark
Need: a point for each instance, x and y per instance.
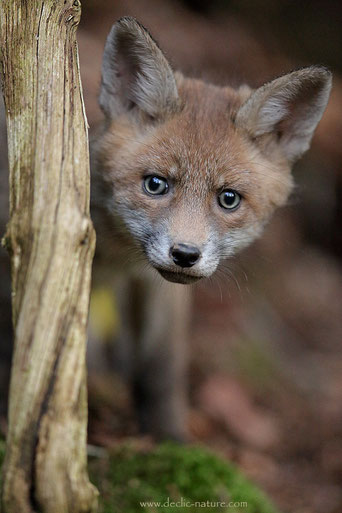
(51, 242)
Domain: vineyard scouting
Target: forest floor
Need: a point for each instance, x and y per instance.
(264, 383)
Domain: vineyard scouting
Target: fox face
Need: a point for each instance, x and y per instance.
(192, 170)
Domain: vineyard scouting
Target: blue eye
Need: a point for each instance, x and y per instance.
(229, 199)
(155, 185)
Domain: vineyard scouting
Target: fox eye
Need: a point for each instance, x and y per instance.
(155, 185)
(229, 199)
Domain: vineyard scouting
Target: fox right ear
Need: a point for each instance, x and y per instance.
(289, 107)
(135, 73)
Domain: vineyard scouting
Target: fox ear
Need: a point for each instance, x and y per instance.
(135, 73)
(290, 107)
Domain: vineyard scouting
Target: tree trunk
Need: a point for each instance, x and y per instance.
(51, 242)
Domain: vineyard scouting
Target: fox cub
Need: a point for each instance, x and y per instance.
(185, 174)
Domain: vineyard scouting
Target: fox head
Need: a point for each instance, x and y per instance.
(193, 170)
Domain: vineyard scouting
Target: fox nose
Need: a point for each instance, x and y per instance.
(185, 255)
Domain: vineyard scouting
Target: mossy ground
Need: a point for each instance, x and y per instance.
(173, 473)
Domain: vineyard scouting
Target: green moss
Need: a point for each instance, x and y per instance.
(173, 473)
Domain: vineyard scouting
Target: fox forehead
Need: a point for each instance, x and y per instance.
(200, 136)
(198, 147)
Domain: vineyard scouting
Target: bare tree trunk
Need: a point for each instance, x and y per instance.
(51, 242)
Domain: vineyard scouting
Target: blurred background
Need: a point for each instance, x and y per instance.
(265, 372)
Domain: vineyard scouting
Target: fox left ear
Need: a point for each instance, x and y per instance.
(135, 73)
(290, 107)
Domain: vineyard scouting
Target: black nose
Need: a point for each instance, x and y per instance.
(185, 255)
